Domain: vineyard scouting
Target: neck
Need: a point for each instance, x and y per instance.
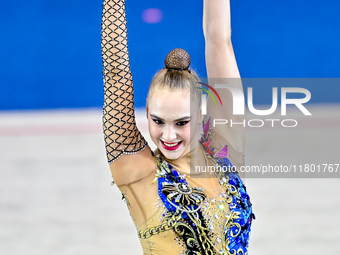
(182, 164)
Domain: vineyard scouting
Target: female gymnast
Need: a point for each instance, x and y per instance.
(175, 211)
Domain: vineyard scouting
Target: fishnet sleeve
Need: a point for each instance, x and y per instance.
(120, 130)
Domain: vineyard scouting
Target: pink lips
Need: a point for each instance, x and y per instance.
(171, 148)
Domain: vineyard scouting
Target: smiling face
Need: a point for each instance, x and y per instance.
(170, 119)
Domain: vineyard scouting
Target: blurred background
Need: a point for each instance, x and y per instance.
(50, 51)
(55, 193)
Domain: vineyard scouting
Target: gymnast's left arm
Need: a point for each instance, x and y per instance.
(221, 64)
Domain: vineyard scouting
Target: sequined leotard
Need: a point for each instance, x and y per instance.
(174, 213)
(204, 213)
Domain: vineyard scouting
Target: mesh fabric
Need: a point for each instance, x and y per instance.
(120, 130)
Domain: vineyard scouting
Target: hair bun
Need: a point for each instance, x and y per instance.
(177, 59)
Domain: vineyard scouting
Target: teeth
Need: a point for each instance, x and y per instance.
(171, 145)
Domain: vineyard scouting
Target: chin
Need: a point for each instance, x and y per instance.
(171, 154)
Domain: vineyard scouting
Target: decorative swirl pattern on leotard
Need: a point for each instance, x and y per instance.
(205, 224)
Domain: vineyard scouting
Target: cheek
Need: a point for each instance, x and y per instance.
(193, 131)
(154, 130)
(186, 134)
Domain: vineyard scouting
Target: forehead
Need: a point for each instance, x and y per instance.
(167, 103)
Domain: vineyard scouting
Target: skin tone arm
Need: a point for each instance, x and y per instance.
(221, 63)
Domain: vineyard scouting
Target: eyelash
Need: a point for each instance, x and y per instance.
(183, 123)
(157, 122)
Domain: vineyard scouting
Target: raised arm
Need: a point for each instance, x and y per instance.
(220, 58)
(222, 68)
(120, 130)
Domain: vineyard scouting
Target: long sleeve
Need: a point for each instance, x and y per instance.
(120, 130)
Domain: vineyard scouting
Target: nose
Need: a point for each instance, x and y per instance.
(169, 133)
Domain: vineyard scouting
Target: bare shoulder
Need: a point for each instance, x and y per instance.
(131, 167)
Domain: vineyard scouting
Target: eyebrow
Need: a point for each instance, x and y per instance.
(180, 119)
